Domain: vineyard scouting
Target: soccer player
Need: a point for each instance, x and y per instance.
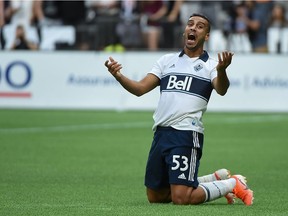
(186, 80)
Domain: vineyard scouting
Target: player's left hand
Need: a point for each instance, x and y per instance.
(224, 61)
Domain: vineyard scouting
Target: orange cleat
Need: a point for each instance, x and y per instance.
(242, 191)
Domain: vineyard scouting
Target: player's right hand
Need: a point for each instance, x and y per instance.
(113, 67)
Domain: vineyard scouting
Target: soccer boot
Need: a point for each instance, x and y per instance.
(242, 191)
(223, 174)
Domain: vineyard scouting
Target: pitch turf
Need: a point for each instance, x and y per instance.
(93, 162)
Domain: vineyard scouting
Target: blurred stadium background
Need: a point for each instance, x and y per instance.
(67, 42)
(242, 26)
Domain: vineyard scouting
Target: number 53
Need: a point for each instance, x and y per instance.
(178, 161)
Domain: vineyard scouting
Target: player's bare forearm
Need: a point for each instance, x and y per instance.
(130, 85)
(221, 83)
(137, 88)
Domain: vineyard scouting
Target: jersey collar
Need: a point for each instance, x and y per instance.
(204, 56)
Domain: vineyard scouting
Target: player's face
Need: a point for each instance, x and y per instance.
(196, 32)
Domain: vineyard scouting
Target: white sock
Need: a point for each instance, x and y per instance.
(207, 178)
(217, 189)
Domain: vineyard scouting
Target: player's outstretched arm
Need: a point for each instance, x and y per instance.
(137, 88)
(221, 82)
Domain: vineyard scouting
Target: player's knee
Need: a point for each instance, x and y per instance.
(158, 197)
(179, 199)
(153, 199)
(184, 199)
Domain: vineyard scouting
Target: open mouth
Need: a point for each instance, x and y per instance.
(191, 37)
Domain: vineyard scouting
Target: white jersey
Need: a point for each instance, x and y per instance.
(186, 86)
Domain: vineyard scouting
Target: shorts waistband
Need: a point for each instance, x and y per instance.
(165, 128)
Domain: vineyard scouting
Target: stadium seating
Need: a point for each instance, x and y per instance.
(9, 32)
(56, 34)
(277, 40)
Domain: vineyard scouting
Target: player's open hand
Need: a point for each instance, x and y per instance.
(113, 67)
(224, 61)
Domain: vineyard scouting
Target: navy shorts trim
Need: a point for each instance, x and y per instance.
(174, 158)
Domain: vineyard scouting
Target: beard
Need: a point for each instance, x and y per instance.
(198, 44)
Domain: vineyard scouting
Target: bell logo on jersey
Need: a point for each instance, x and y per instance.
(188, 84)
(179, 84)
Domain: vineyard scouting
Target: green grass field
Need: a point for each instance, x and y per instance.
(92, 162)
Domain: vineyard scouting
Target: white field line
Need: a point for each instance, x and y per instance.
(77, 127)
(247, 119)
(128, 125)
(46, 205)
